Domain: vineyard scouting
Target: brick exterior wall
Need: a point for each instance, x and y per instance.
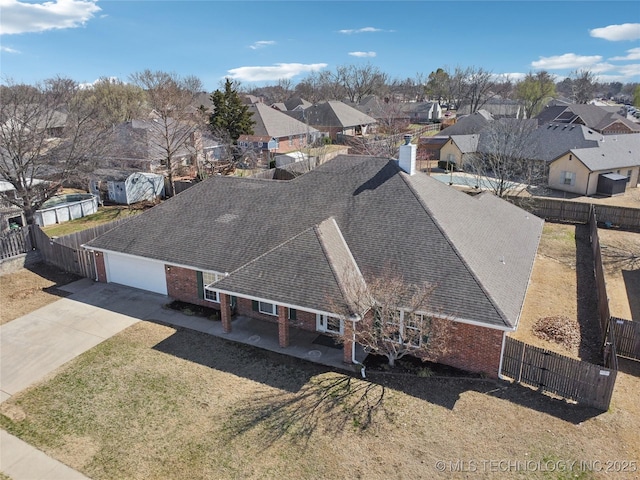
(474, 348)
(182, 284)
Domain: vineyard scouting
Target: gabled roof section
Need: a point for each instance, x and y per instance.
(612, 152)
(466, 143)
(330, 277)
(500, 263)
(294, 241)
(468, 125)
(334, 114)
(273, 123)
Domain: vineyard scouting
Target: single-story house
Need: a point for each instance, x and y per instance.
(581, 170)
(277, 132)
(281, 251)
(605, 120)
(458, 149)
(422, 112)
(498, 107)
(335, 118)
(126, 187)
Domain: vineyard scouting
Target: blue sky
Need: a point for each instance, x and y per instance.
(259, 42)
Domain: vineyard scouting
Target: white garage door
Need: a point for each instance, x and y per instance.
(136, 272)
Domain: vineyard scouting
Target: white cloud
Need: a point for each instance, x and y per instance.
(275, 72)
(632, 54)
(261, 44)
(614, 33)
(568, 60)
(513, 76)
(362, 30)
(21, 17)
(362, 54)
(9, 49)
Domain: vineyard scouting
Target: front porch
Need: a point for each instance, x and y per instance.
(263, 334)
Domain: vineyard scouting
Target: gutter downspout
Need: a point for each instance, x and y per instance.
(504, 338)
(586, 193)
(356, 318)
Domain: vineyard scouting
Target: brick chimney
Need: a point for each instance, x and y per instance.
(407, 156)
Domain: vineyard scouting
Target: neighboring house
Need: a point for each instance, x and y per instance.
(422, 112)
(468, 125)
(458, 149)
(296, 103)
(604, 120)
(335, 118)
(498, 107)
(277, 132)
(126, 187)
(11, 216)
(609, 168)
(385, 112)
(138, 144)
(284, 251)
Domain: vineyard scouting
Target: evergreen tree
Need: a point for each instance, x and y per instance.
(230, 114)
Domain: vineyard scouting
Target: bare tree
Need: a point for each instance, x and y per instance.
(395, 318)
(583, 85)
(170, 98)
(360, 81)
(505, 162)
(49, 132)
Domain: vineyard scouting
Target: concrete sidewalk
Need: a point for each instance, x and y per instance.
(21, 461)
(33, 346)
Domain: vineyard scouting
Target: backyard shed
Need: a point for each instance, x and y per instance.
(611, 184)
(126, 187)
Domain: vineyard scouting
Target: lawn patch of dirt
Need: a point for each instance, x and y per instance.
(563, 285)
(31, 288)
(621, 261)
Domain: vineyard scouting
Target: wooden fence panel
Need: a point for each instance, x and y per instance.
(15, 242)
(67, 253)
(626, 337)
(550, 372)
(555, 209)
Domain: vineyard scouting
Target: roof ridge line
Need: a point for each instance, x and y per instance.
(330, 261)
(264, 254)
(455, 250)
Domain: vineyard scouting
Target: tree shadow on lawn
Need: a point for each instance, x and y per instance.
(312, 396)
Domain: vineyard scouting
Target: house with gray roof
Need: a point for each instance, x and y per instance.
(335, 118)
(283, 251)
(277, 132)
(589, 171)
(605, 120)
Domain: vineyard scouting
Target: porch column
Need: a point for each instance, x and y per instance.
(283, 326)
(347, 345)
(225, 312)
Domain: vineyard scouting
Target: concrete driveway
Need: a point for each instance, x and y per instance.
(34, 345)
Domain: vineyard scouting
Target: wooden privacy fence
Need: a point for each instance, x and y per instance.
(583, 382)
(626, 337)
(598, 270)
(15, 242)
(579, 212)
(67, 253)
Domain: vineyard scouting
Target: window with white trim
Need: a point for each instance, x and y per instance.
(568, 178)
(267, 308)
(407, 328)
(210, 293)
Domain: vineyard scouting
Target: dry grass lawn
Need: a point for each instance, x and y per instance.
(30, 288)
(154, 403)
